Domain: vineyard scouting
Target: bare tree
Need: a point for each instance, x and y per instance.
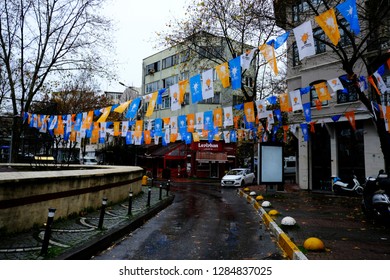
(40, 40)
(241, 24)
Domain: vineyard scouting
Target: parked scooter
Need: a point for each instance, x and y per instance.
(376, 201)
(339, 187)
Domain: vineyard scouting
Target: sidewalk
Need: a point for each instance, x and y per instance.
(79, 237)
(337, 221)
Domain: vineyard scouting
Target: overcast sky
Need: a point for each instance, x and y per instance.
(137, 22)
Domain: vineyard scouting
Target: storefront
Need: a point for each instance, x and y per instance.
(211, 160)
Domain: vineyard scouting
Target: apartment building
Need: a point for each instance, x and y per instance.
(166, 68)
(334, 146)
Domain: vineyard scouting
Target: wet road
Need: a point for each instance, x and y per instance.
(201, 224)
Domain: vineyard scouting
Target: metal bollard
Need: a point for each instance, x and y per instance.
(168, 186)
(102, 210)
(160, 196)
(149, 195)
(46, 238)
(130, 204)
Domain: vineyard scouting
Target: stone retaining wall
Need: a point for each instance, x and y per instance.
(26, 196)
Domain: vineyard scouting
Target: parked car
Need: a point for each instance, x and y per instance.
(90, 161)
(238, 177)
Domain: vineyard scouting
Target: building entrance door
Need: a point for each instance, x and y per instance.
(214, 170)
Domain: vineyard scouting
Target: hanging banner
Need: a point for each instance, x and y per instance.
(223, 74)
(305, 40)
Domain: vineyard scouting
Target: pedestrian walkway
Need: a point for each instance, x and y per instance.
(79, 236)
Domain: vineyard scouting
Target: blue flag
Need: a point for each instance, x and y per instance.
(182, 123)
(208, 121)
(235, 72)
(158, 126)
(233, 136)
(307, 111)
(349, 12)
(196, 88)
(280, 40)
(159, 96)
(133, 108)
(305, 131)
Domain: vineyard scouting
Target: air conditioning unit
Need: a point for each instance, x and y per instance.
(151, 71)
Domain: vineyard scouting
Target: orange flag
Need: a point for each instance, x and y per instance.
(139, 125)
(328, 23)
(235, 120)
(152, 104)
(322, 91)
(284, 102)
(269, 55)
(182, 90)
(351, 118)
(106, 112)
(371, 81)
(190, 122)
(249, 111)
(147, 137)
(223, 74)
(116, 128)
(218, 117)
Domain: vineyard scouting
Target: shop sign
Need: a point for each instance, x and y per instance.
(206, 146)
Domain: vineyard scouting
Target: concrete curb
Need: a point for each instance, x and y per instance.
(283, 241)
(87, 250)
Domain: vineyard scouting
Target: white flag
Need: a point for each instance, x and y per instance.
(173, 124)
(174, 93)
(381, 84)
(246, 58)
(125, 128)
(207, 84)
(199, 120)
(296, 100)
(261, 109)
(305, 40)
(227, 116)
(226, 136)
(335, 84)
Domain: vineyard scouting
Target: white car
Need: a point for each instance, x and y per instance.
(238, 177)
(90, 161)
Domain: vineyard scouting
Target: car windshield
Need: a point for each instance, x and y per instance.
(235, 172)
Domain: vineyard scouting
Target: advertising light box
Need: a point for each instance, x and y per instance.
(271, 164)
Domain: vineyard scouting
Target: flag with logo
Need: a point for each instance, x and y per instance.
(296, 100)
(199, 120)
(279, 41)
(322, 91)
(173, 124)
(103, 117)
(284, 102)
(327, 21)
(349, 11)
(190, 122)
(226, 136)
(307, 111)
(207, 84)
(208, 120)
(182, 90)
(174, 93)
(196, 88)
(235, 72)
(223, 74)
(132, 112)
(218, 117)
(182, 121)
(305, 40)
(152, 104)
(139, 124)
(305, 131)
(269, 55)
(380, 82)
(228, 116)
(122, 107)
(125, 128)
(261, 107)
(335, 84)
(249, 111)
(246, 58)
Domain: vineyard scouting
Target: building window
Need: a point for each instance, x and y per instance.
(184, 56)
(184, 75)
(152, 68)
(319, 38)
(314, 96)
(210, 52)
(170, 61)
(349, 93)
(151, 87)
(237, 99)
(214, 100)
(295, 55)
(167, 82)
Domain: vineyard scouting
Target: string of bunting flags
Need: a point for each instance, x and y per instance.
(221, 123)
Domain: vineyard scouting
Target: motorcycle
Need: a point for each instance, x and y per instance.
(339, 187)
(376, 201)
